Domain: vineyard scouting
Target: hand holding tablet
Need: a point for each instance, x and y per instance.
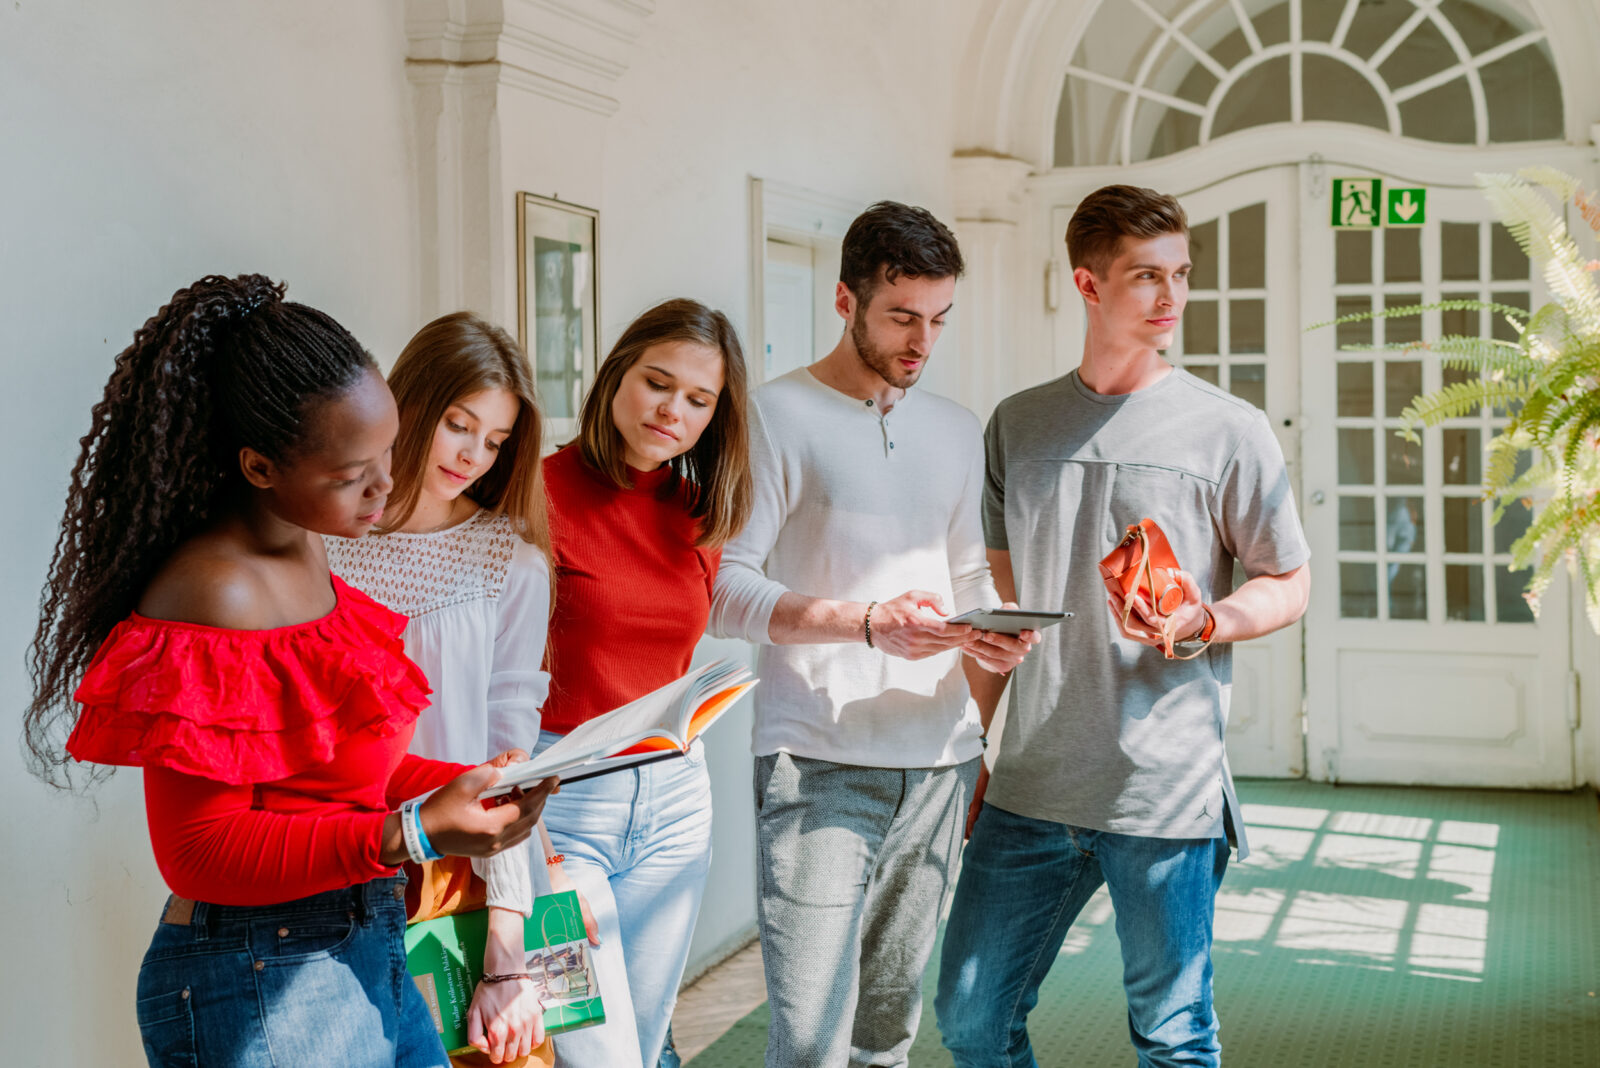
(1009, 620)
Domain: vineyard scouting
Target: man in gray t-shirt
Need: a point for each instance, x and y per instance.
(1112, 768)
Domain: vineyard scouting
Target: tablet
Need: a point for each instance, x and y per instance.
(1009, 620)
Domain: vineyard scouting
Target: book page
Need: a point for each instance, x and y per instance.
(661, 714)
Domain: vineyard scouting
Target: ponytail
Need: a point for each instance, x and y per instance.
(225, 364)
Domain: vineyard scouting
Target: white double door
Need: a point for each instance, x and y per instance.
(1417, 661)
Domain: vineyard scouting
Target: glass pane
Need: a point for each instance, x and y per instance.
(1206, 371)
(1355, 389)
(1463, 456)
(1500, 327)
(1247, 326)
(1352, 256)
(1524, 97)
(1402, 460)
(1465, 322)
(1408, 591)
(1203, 256)
(1463, 592)
(1403, 329)
(1357, 532)
(1458, 252)
(1358, 591)
(1336, 92)
(1507, 262)
(1247, 247)
(1248, 381)
(1509, 604)
(1258, 98)
(1358, 332)
(1200, 328)
(1424, 51)
(1402, 525)
(1355, 457)
(1513, 524)
(1402, 255)
(1176, 131)
(1463, 525)
(1442, 114)
(1402, 383)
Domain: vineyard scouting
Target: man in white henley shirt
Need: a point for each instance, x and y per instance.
(867, 740)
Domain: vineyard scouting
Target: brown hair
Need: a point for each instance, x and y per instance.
(453, 357)
(1113, 212)
(718, 467)
(890, 240)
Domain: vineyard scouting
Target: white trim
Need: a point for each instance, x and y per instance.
(1335, 146)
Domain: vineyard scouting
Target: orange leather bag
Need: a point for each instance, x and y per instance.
(1144, 566)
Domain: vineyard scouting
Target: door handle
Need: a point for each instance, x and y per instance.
(1318, 497)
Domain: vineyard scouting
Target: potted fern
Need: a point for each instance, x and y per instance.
(1546, 380)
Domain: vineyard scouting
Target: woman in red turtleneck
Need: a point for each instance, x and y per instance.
(640, 506)
(189, 611)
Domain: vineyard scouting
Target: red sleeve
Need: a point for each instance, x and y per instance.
(211, 845)
(417, 776)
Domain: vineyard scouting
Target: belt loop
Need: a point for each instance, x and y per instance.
(200, 922)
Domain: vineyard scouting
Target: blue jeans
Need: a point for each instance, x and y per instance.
(320, 980)
(638, 844)
(1023, 881)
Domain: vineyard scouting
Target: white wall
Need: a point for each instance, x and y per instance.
(144, 145)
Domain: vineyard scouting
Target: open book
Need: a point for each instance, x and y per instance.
(658, 725)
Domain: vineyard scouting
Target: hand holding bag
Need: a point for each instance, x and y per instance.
(1144, 566)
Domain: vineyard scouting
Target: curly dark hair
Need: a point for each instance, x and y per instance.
(228, 363)
(890, 240)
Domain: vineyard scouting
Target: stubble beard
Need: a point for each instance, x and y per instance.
(880, 362)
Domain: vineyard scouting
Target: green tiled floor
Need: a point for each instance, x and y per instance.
(1376, 927)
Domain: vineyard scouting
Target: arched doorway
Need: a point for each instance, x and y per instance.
(1418, 661)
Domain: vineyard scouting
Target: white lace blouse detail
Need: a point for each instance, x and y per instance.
(478, 599)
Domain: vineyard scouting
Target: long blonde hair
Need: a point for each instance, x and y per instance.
(718, 467)
(452, 357)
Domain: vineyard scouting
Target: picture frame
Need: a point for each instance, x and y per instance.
(558, 302)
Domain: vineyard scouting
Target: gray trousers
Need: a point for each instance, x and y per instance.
(854, 867)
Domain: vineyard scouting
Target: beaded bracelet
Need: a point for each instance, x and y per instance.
(505, 977)
(866, 624)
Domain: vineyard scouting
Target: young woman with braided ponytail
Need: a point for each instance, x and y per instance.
(190, 627)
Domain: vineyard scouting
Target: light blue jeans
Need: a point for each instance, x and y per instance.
(638, 845)
(1023, 881)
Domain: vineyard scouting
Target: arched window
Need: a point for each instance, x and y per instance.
(1154, 77)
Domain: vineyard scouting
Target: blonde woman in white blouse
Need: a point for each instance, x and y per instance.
(463, 550)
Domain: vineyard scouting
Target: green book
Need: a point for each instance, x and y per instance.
(445, 957)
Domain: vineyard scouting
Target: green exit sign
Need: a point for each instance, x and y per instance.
(1364, 203)
(1405, 207)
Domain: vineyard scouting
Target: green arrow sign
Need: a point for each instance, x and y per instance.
(1405, 207)
(1357, 202)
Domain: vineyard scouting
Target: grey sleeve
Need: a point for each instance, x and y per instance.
(994, 486)
(1254, 508)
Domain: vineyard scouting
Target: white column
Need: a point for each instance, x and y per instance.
(999, 287)
(508, 96)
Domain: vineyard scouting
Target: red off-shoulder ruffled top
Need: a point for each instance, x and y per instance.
(271, 757)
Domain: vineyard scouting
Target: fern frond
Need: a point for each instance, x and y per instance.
(1461, 398)
(1519, 314)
